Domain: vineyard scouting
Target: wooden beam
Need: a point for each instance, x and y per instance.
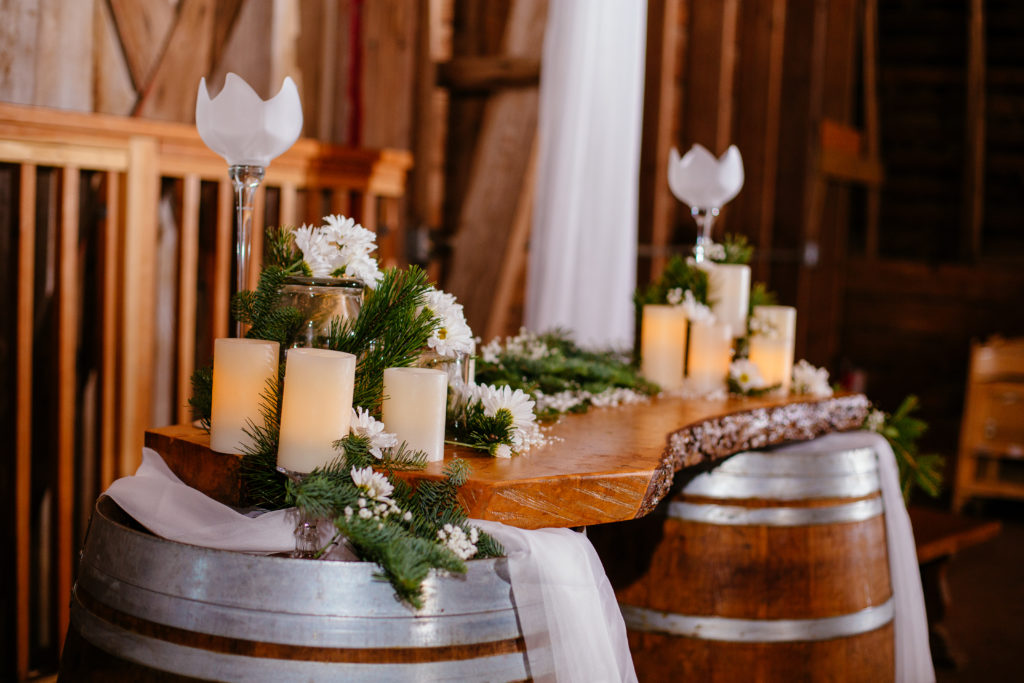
(515, 265)
(169, 94)
(67, 373)
(872, 133)
(23, 427)
(485, 73)
(144, 27)
(974, 174)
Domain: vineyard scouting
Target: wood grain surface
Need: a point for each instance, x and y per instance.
(607, 465)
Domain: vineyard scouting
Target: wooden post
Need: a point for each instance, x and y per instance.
(222, 259)
(23, 436)
(108, 363)
(67, 373)
(188, 268)
(137, 326)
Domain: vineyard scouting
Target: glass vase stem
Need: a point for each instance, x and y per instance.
(246, 180)
(705, 218)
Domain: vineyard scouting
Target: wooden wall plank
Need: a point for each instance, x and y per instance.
(482, 241)
(64, 55)
(111, 270)
(18, 28)
(23, 436)
(251, 27)
(144, 27)
(758, 103)
(137, 323)
(67, 372)
(223, 251)
(388, 59)
(974, 174)
(170, 94)
(660, 210)
(289, 208)
(188, 270)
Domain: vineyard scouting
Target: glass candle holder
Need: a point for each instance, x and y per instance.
(321, 300)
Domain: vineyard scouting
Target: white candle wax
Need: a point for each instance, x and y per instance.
(663, 345)
(729, 292)
(316, 407)
(771, 348)
(241, 370)
(710, 355)
(414, 408)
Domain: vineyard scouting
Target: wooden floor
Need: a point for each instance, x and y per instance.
(986, 619)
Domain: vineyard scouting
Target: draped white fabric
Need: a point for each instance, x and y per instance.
(571, 620)
(913, 655)
(582, 268)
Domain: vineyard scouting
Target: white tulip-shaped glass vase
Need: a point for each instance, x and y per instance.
(248, 132)
(705, 184)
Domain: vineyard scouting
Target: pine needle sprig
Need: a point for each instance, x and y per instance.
(261, 310)
(903, 431)
(263, 484)
(391, 330)
(201, 401)
(279, 250)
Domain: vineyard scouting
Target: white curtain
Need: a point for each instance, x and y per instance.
(582, 268)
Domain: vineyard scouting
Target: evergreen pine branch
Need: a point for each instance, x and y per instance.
(390, 331)
(264, 485)
(737, 249)
(201, 401)
(261, 310)
(279, 250)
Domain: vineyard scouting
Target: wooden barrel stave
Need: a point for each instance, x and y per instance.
(214, 615)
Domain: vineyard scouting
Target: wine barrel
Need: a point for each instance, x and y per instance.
(770, 567)
(148, 609)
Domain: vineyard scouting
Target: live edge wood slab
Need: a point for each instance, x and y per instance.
(607, 465)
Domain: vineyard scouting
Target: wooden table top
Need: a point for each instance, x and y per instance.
(606, 465)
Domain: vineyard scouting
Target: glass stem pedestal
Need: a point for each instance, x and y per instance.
(307, 536)
(246, 180)
(704, 218)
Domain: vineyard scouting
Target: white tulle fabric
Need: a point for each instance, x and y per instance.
(567, 609)
(159, 501)
(582, 268)
(913, 655)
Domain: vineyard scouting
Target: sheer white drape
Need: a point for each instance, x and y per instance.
(582, 268)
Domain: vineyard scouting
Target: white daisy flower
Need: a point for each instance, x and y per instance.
(453, 335)
(375, 484)
(316, 250)
(675, 296)
(365, 425)
(875, 420)
(746, 375)
(696, 312)
(810, 380)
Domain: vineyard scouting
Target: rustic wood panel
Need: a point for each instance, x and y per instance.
(481, 243)
(113, 88)
(144, 29)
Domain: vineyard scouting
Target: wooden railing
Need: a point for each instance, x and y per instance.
(124, 233)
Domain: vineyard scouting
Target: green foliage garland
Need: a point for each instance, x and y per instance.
(902, 431)
(563, 366)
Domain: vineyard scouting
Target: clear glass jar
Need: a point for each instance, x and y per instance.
(320, 300)
(460, 368)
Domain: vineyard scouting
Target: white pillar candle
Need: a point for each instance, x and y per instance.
(241, 370)
(663, 345)
(710, 355)
(729, 292)
(414, 406)
(772, 338)
(316, 407)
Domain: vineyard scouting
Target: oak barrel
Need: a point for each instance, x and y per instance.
(145, 608)
(771, 567)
